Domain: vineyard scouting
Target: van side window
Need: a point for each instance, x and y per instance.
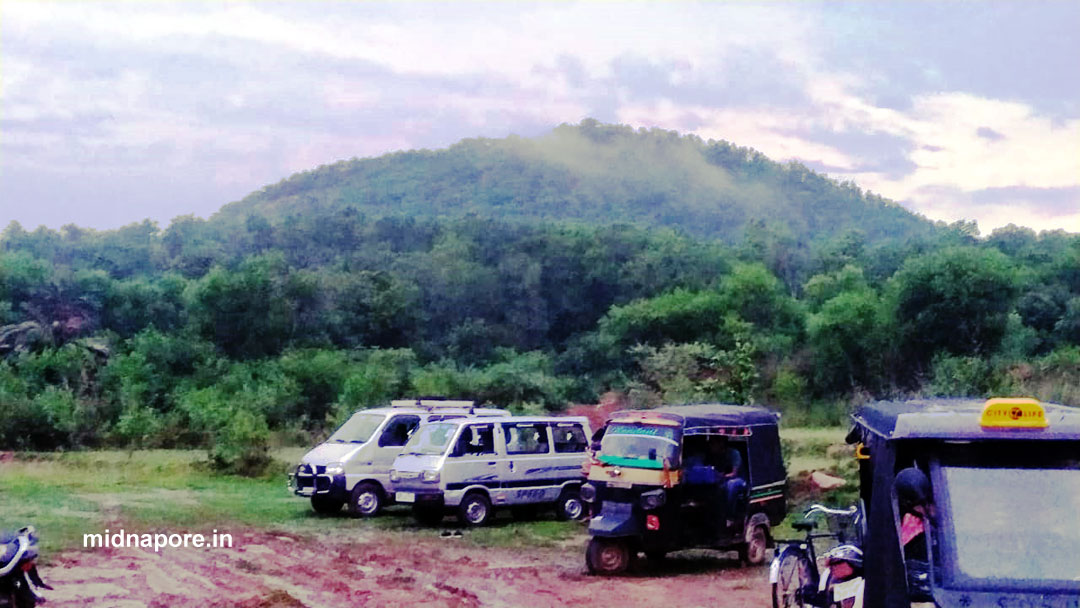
(476, 440)
(526, 438)
(568, 437)
(398, 430)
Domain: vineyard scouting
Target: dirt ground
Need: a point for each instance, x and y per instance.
(379, 568)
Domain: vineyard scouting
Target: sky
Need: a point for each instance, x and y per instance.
(111, 113)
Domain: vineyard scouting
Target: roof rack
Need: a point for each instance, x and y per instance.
(429, 403)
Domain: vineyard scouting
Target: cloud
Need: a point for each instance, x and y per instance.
(1038, 208)
(238, 95)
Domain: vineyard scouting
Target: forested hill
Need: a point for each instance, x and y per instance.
(593, 173)
(332, 291)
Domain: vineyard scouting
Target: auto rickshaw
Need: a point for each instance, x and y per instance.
(1000, 523)
(681, 477)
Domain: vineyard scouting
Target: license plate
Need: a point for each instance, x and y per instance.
(405, 497)
(620, 484)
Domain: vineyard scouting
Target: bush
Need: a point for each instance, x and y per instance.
(236, 431)
(953, 376)
(242, 446)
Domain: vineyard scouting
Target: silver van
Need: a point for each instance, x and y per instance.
(352, 467)
(471, 467)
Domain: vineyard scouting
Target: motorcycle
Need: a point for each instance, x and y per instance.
(19, 578)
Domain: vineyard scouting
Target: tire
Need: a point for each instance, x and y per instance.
(608, 556)
(366, 499)
(795, 573)
(17, 595)
(326, 505)
(428, 516)
(475, 510)
(754, 550)
(569, 506)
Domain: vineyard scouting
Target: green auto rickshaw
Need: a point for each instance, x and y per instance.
(681, 477)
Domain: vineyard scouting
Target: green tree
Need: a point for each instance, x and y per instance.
(955, 300)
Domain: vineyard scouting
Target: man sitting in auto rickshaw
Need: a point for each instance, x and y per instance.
(734, 485)
(718, 466)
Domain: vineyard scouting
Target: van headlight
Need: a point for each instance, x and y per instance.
(394, 475)
(335, 468)
(431, 476)
(653, 500)
(587, 492)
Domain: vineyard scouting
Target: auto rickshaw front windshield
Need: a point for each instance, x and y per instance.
(1013, 527)
(637, 445)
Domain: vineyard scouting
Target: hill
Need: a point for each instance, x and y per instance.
(593, 173)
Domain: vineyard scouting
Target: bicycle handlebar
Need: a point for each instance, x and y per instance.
(849, 512)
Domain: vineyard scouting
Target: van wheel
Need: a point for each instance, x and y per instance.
(325, 505)
(428, 516)
(753, 551)
(365, 500)
(569, 506)
(475, 510)
(608, 556)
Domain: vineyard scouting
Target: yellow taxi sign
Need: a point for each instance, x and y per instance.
(1013, 413)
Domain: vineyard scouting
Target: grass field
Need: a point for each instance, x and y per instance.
(66, 495)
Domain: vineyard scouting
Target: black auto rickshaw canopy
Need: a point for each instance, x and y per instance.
(756, 424)
(890, 435)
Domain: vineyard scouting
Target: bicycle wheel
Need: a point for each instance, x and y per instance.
(795, 579)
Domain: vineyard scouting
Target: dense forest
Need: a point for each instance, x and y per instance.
(526, 281)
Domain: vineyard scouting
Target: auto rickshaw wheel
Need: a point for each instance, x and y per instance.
(608, 556)
(754, 550)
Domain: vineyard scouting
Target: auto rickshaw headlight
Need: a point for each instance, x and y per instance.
(431, 476)
(653, 500)
(588, 492)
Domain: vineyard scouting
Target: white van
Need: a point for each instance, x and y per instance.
(352, 467)
(473, 466)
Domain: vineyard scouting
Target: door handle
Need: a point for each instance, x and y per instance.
(492, 463)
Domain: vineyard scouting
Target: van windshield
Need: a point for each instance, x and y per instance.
(430, 439)
(357, 429)
(1015, 524)
(640, 445)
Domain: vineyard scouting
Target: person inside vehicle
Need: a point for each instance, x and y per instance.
(915, 501)
(729, 464)
(914, 498)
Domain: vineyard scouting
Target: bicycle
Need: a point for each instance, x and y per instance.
(794, 574)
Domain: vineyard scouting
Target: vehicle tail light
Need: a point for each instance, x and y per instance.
(652, 522)
(27, 566)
